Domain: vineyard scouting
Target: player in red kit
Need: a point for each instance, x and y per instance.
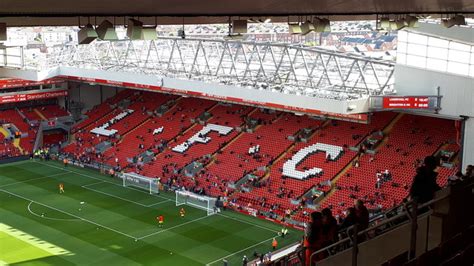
(161, 220)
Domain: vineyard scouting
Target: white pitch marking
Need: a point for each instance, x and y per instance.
(124, 199)
(176, 226)
(49, 218)
(70, 214)
(31, 179)
(100, 179)
(230, 255)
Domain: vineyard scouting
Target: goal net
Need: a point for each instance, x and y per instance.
(198, 201)
(135, 180)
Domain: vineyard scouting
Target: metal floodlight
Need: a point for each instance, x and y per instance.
(327, 25)
(3, 32)
(134, 29)
(401, 23)
(459, 20)
(86, 34)
(319, 25)
(412, 21)
(307, 27)
(294, 28)
(385, 23)
(393, 25)
(456, 20)
(149, 33)
(106, 31)
(182, 33)
(239, 26)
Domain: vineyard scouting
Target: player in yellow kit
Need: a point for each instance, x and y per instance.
(61, 188)
(182, 212)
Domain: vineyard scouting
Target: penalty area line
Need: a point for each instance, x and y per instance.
(100, 179)
(124, 199)
(70, 214)
(173, 227)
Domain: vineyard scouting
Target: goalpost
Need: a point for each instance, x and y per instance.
(139, 181)
(198, 201)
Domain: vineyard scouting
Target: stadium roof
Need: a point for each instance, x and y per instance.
(33, 12)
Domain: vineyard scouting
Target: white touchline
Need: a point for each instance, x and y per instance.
(176, 226)
(230, 255)
(70, 214)
(100, 179)
(124, 199)
(246, 222)
(31, 179)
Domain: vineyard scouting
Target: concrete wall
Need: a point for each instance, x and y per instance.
(457, 98)
(91, 95)
(468, 145)
(463, 34)
(457, 91)
(376, 251)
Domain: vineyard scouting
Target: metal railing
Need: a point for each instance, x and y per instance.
(410, 214)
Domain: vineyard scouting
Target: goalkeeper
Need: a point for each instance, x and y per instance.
(182, 212)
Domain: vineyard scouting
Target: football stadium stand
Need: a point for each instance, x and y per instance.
(278, 164)
(306, 138)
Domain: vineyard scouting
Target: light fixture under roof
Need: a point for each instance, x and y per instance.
(307, 27)
(106, 31)
(412, 21)
(3, 32)
(134, 29)
(86, 34)
(322, 25)
(149, 33)
(385, 23)
(294, 28)
(454, 21)
(239, 26)
(400, 24)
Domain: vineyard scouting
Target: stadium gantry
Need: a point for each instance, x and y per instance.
(277, 67)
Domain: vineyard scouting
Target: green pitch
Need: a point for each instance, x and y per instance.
(97, 221)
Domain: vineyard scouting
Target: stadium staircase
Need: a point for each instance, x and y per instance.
(40, 115)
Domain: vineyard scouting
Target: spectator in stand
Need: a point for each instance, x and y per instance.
(362, 214)
(329, 227)
(469, 171)
(313, 239)
(424, 183)
(350, 219)
(455, 178)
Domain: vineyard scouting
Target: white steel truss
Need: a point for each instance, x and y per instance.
(277, 67)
